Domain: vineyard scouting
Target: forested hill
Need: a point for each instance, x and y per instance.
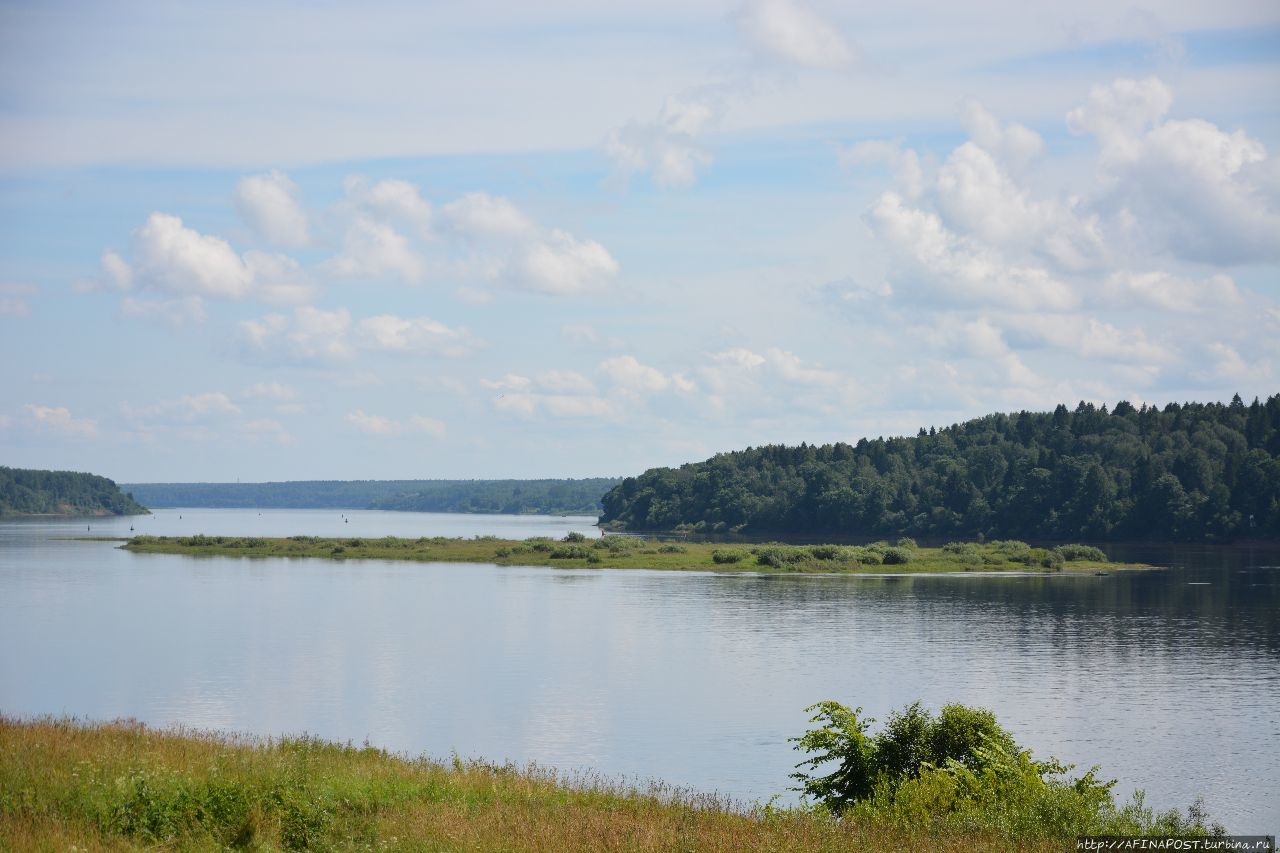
(30, 492)
(485, 496)
(1189, 472)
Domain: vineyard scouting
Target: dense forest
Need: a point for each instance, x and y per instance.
(30, 492)
(487, 496)
(1196, 471)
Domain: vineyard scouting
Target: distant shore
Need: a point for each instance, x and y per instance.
(621, 552)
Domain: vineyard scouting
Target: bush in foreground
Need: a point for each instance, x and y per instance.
(960, 770)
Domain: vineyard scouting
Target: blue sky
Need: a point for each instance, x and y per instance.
(299, 240)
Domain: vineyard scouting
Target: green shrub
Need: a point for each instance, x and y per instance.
(907, 542)
(574, 536)
(570, 552)
(961, 770)
(722, 556)
(897, 556)
(672, 549)
(1081, 552)
(825, 552)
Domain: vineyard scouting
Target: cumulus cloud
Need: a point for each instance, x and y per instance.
(483, 216)
(384, 426)
(371, 249)
(168, 256)
(59, 421)
(959, 269)
(420, 335)
(269, 204)
(626, 372)
(390, 200)
(314, 335)
(187, 408)
(310, 335)
(667, 146)
(789, 31)
(506, 246)
(1182, 186)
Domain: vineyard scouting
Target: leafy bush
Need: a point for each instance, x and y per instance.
(961, 770)
(825, 552)
(570, 552)
(907, 542)
(672, 549)
(722, 556)
(897, 556)
(1081, 552)
(574, 536)
(779, 556)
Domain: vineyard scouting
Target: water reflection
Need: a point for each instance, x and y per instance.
(693, 678)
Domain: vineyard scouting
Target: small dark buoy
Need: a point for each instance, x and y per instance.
(87, 527)
(1101, 574)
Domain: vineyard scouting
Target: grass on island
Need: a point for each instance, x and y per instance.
(66, 785)
(629, 552)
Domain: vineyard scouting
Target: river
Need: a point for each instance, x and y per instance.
(1167, 679)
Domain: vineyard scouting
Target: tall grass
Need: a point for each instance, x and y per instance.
(67, 785)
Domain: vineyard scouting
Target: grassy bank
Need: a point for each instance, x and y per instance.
(119, 786)
(623, 552)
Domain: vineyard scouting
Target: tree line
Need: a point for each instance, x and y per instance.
(32, 492)
(481, 496)
(1192, 471)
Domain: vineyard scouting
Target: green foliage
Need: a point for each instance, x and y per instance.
(33, 492)
(724, 556)
(671, 548)
(572, 536)
(1081, 552)
(1196, 471)
(571, 552)
(897, 556)
(961, 770)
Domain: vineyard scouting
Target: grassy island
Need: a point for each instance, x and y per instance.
(627, 552)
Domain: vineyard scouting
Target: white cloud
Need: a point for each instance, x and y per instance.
(59, 420)
(792, 369)
(373, 424)
(482, 216)
(525, 404)
(186, 409)
(390, 200)
(667, 147)
(311, 334)
(419, 335)
(372, 249)
(960, 269)
(270, 391)
(909, 169)
(509, 382)
(789, 31)
(566, 382)
(431, 426)
(627, 372)
(170, 257)
(1173, 293)
(563, 265)
(269, 204)
(1181, 186)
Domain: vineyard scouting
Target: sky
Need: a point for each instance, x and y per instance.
(315, 240)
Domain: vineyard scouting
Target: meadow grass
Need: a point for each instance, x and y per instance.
(625, 552)
(70, 785)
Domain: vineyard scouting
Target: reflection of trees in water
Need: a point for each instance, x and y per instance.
(1210, 597)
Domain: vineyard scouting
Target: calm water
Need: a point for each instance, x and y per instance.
(1167, 679)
